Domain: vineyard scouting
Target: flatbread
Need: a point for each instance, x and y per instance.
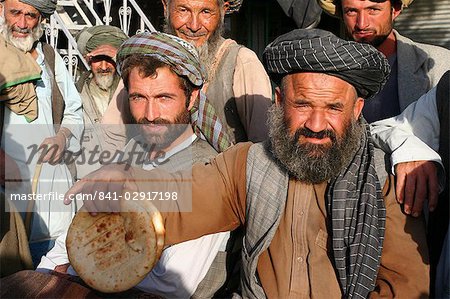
(114, 252)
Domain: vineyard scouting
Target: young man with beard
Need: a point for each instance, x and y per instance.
(56, 128)
(309, 198)
(237, 85)
(163, 78)
(98, 44)
(415, 69)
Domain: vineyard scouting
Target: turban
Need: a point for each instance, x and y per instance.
(233, 6)
(173, 51)
(45, 7)
(183, 59)
(90, 38)
(315, 50)
(329, 6)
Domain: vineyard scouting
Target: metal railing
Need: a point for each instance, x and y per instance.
(72, 16)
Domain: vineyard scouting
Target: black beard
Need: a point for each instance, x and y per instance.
(312, 163)
(175, 129)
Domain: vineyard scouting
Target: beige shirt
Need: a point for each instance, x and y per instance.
(298, 262)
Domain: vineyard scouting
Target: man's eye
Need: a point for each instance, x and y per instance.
(32, 16)
(206, 11)
(15, 12)
(136, 98)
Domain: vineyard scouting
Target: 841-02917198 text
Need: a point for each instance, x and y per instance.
(150, 195)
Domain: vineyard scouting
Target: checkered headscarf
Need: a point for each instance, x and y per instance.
(183, 59)
(315, 50)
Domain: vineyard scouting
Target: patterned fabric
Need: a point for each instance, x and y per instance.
(234, 5)
(205, 121)
(355, 205)
(358, 217)
(315, 50)
(45, 7)
(90, 38)
(184, 61)
(329, 6)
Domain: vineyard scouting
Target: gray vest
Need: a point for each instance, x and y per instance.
(199, 151)
(267, 187)
(220, 94)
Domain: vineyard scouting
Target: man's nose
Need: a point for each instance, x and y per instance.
(316, 121)
(152, 110)
(22, 22)
(194, 23)
(362, 21)
(104, 65)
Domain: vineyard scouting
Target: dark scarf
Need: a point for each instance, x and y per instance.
(358, 215)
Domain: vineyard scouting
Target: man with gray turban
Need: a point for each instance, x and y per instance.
(55, 130)
(310, 198)
(98, 44)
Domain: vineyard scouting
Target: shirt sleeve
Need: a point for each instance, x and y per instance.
(253, 94)
(56, 256)
(413, 135)
(217, 189)
(73, 112)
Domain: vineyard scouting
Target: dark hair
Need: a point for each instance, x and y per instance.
(393, 3)
(147, 66)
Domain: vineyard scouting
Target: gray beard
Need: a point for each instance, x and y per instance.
(104, 80)
(24, 44)
(310, 163)
(207, 51)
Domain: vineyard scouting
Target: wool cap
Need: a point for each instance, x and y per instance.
(316, 50)
(45, 7)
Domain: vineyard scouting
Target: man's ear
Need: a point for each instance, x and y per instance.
(357, 109)
(194, 95)
(278, 96)
(397, 8)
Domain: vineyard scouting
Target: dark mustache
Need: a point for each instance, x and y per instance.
(157, 121)
(311, 134)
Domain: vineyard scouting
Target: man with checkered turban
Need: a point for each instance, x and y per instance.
(236, 82)
(171, 117)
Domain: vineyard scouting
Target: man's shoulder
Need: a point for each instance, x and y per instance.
(430, 50)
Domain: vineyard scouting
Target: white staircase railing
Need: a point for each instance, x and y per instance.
(72, 16)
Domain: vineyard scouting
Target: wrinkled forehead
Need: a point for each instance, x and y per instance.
(17, 5)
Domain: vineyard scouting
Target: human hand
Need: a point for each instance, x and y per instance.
(417, 181)
(106, 50)
(53, 148)
(102, 189)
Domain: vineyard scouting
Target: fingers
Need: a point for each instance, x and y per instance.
(101, 191)
(400, 185)
(416, 182)
(433, 188)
